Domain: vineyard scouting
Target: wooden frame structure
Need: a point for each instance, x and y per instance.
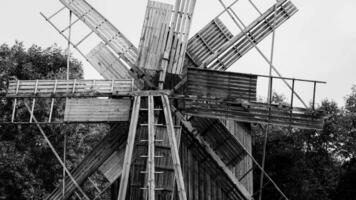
(171, 141)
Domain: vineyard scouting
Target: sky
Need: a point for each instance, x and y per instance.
(317, 43)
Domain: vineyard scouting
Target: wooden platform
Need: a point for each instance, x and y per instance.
(239, 45)
(70, 88)
(252, 112)
(107, 64)
(220, 84)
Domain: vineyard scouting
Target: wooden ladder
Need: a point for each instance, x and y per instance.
(151, 107)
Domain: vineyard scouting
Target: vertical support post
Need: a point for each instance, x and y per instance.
(151, 149)
(129, 149)
(314, 93)
(174, 148)
(291, 102)
(52, 103)
(33, 103)
(15, 102)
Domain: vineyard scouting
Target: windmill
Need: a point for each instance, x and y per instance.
(181, 120)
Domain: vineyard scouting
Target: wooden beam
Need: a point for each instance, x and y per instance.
(129, 149)
(174, 148)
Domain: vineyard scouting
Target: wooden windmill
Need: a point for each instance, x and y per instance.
(179, 116)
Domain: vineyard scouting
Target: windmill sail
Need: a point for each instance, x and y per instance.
(206, 42)
(107, 64)
(154, 35)
(104, 29)
(239, 45)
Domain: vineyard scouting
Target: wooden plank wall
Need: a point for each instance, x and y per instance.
(115, 140)
(219, 84)
(97, 110)
(243, 132)
(164, 180)
(202, 177)
(206, 42)
(154, 35)
(107, 64)
(104, 29)
(258, 30)
(49, 88)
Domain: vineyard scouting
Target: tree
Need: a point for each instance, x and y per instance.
(28, 169)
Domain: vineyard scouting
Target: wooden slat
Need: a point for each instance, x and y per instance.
(239, 45)
(107, 64)
(68, 88)
(218, 84)
(97, 110)
(114, 140)
(104, 29)
(154, 33)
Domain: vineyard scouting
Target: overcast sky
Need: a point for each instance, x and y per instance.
(318, 43)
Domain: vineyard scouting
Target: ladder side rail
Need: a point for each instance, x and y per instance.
(174, 148)
(129, 149)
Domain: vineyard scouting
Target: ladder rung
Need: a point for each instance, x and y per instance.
(153, 125)
(156, 109)
(157, 172)
(145, 188)
(154, 140)
(145, 156)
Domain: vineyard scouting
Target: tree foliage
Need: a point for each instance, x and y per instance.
(28, 168)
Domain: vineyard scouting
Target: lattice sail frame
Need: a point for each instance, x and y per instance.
(201, 51)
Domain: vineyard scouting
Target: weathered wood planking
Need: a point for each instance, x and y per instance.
(113, 141)
(104, 29)
(219, 84)
(243, 170)
(112, 167)
(154, 35)
(64, 88)
(107, 64)
(203, 177)
(254, 113)
(206, 42)
(97, 110)
(181, 24)
(220, 139)
(164, 164)
(239, 45)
